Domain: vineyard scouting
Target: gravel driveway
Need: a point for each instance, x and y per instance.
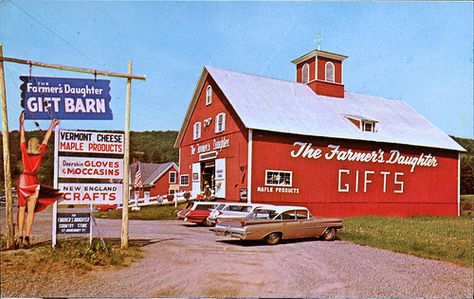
(189, 261)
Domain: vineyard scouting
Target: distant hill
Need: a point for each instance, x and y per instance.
(157, 147)
(467, 165)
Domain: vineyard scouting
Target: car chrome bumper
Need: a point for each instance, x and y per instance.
(229, 231)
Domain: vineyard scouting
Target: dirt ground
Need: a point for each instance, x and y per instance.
(189, 261)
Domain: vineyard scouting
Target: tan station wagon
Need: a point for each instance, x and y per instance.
(280, 222)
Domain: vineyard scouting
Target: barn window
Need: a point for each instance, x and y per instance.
(278, 178)
(305, 73)
(368, 126)
(363, 123)
(209, 95)
(329, 71)
(172, 179)
(220, 122)
(197, 130)
(146, 194)
(184, 180)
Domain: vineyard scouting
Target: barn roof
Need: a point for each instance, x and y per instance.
(151, 171)
(269, 104)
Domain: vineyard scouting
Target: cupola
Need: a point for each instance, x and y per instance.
(322, 72)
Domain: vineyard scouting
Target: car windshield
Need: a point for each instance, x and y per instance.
(204, 207)
(221, 206)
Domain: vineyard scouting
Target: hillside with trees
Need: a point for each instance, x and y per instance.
(467, 165)
(157, 147)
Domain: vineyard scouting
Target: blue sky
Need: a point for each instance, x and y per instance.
(419, 52)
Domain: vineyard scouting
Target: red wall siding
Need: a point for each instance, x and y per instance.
(162, 185)
(427, 190)
(321, 68)
(355, 122)
(235, 154)
(312, 70)
(327, 89)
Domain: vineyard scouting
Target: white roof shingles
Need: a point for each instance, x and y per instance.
(150, 172)
(282, 106)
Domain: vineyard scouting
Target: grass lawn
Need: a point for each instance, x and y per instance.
(441, 238)
(42, 269)
(155, 212)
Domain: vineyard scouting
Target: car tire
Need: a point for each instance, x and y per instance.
(273, 238)
(329, 234)
(206, 223)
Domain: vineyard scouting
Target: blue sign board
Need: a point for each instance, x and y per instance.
(65, 98)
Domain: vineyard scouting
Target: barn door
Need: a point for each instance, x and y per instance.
(196, 177)
(220, 178)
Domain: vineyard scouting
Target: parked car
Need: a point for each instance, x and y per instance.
(233, 211)
(200, 211)
(106, 207)
(280, 222)
(182, 213)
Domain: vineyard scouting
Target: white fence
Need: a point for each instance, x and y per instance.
(155, 200)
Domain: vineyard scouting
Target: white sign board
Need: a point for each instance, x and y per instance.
(88, 193)
(91, 142)
(90, 168)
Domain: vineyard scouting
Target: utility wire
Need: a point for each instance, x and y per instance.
(54, 33)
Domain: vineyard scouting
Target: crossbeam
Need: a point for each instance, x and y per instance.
(71, 68)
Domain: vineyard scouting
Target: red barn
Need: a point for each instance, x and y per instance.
(157, 179)
(312, 143)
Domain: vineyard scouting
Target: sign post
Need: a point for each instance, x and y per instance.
(6, 157)
(129, 76)
(91, 168)
(126, 162)
(55, 182)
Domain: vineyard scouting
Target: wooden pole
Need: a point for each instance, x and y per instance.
(6, 157)
(54, 232)
(126, 162)
(72, 68)
(129, 76)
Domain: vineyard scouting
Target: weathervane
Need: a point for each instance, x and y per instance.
(319, 38)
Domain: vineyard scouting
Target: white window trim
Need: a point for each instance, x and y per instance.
(364, 122)
(326, 72)
(306, 65)
(175, 177)
(182, 176)
(208, 95)
(196, 135)
(316, 67)
(281, 171)
(217, 123)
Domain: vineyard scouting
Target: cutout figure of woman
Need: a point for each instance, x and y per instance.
(32, 197)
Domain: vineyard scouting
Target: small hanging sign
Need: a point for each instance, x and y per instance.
(65, 98)
(73, 223)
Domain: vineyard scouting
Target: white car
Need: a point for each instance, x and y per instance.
(232, 210)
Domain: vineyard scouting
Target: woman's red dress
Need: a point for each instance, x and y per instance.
(28, 181)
